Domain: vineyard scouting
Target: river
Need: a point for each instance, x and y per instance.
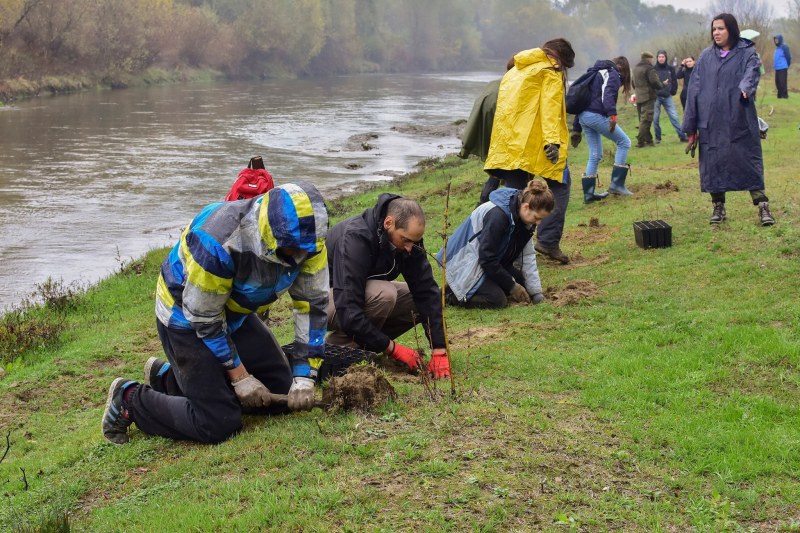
(90, 180)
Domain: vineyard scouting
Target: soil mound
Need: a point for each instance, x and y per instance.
(361, 388)
(574, 292)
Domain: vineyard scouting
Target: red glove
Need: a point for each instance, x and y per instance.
(691, 144)
(612, 123)
(439, 366)
(406, 355)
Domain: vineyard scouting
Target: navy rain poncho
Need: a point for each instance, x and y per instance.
(726, 123)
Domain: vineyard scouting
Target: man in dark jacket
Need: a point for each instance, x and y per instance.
(646, 83)
(366, 253)
(782, 60)
(666, 73)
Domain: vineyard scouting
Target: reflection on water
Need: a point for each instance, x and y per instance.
(90, 179)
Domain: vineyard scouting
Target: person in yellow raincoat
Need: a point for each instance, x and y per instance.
(530, 133)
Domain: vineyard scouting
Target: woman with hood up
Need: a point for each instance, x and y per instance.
(721, 117)
(600, 120)
(490, 258)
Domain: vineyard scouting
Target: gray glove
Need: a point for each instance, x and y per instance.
(551, 152)
(575, 139)
(519, 295)
(251, 392)
(537, 298)
(301, 394)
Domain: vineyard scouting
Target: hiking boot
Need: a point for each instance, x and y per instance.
(719, 213)
(764, 215)
(115, 418)
(154, 370)
(553, 252)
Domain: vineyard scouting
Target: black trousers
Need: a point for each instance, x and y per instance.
(756, 196)
(488, 296)
(782, 82)
(199, 403)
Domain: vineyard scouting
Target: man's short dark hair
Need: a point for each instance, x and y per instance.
(403, 210)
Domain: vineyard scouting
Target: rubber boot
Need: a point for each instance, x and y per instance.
(589, 194)
(618, 175)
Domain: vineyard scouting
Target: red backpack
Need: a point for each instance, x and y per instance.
(252, 181)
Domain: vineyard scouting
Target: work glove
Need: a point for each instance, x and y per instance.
(691, 144)
(301, 394)
(612, 123)
(406, 355)
(551, 152)
(439, 366)
(575, 139)
(251, 392)
(519, 295)
(537, 298)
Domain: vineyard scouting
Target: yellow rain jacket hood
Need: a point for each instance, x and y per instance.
(531, 113)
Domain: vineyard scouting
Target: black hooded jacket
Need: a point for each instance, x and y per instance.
(359, 250)
(666, 72)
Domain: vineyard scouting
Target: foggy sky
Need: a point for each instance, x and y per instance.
(780, 8)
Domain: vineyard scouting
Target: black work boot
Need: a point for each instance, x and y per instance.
(764, 215)
(719, 213)
(553, 252)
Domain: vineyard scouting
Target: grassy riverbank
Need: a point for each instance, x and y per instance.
(22, 88)
(662, 397)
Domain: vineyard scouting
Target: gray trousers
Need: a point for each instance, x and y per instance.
(388, 306)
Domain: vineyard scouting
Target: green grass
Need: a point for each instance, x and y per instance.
(667, 401)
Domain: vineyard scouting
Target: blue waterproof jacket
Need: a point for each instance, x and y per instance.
(782, 59)
(226, 266)
(464, 271)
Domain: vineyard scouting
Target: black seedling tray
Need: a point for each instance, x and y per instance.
(337, 359)
(652, 234)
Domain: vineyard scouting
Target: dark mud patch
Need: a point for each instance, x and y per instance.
(593, 232)
(577, 260)
(666, 187)
(360, 142)
(572, 293)
(436, 130)
(353, 166)
(361, 388)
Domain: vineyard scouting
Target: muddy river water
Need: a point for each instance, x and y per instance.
(92, 179)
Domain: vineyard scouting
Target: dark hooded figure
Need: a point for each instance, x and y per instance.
(721, 116)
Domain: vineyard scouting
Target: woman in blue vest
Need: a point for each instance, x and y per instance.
(490, 258)
(600, 120)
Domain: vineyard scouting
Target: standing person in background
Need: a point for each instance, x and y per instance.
(721, 117)
(666, 73)
(782, 61)
(490, 257)
(478, 131)
(646, 83)
(530, 133)
(600, 120)
(685, 73)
